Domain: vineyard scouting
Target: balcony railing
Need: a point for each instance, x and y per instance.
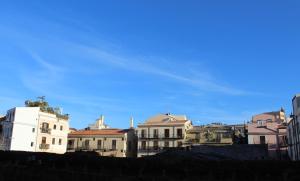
(155, 149)
(159, 136)
(44, 146)
(152, 149)
(89, 148)
(70, 148)
(46, 130)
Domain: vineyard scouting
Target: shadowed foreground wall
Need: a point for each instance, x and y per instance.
(41, 166)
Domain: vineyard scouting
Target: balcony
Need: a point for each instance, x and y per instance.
(44, 146)
(150, 149)
(69, 148)
(46, 130)
(160, 136)
(84, 148)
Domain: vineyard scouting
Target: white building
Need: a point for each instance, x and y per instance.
(161, 132)
(29, 129)
(293, 131)
(99, 124)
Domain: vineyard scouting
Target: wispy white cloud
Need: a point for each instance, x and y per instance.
(45, 64)
(139, 65)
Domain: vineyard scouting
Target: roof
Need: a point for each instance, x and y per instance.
(99, 132)
(197, 129)
(166, 119)
(275, 116)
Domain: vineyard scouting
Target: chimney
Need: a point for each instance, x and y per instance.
(131, 122)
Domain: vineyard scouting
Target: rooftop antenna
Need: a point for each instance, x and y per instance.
(41, 98)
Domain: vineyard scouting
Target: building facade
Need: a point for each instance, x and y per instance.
(105, 142)
(270, 129)
(161, 132)
(214, 133)
(294, 131)
(30, 129)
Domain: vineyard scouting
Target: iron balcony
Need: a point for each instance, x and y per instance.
(46, 130)
(159, 136)
(44, 146)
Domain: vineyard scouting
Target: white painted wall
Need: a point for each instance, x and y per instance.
(23, 122)
(22, 127)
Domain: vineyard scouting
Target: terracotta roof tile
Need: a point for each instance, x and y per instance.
(98, 132)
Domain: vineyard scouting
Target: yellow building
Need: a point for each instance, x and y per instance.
(105, 142)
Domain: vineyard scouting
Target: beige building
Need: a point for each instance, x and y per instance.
(99, 124)
(53, 133)
(105, 142)
(269, 129)
(214, 133)
(293, 131)
(161, 132)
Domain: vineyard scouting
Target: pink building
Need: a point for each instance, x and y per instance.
(270, 129)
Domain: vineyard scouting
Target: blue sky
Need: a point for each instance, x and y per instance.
(215, 61)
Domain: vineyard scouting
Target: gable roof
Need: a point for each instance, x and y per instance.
(166, 119)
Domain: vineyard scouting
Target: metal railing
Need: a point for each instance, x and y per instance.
(159, 136)
(46, 130)
(150, 149)
(44, 146)
(88, 148)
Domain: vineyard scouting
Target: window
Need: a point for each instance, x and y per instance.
(167, 144)
(94, 139)
(99, 144)
(45, 128)
(54, 126)
(179, 144)
(179, 133)
(45, 125)
(61, 128)
(60, 141)
(53, 141)
(282, 140)
(261, 123)
(114, 144)
(262, 140)
(155, 133)
(33, 130)
(85, 144)
(155, 145)
(44, 140)
(143, 133)
(31, 144)
(71, 144)
(167, 133)
(144, 145)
